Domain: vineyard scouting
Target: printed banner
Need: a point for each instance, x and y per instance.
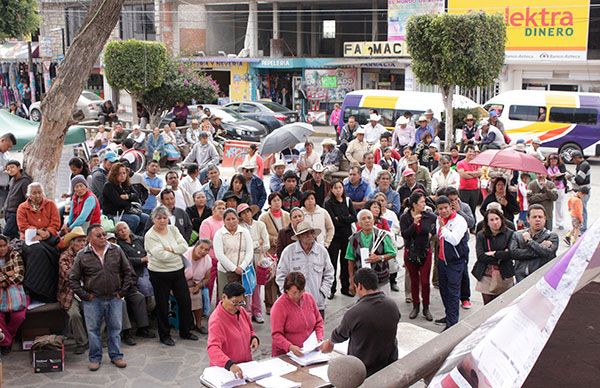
(375, 49)
(400, 10)
(504, 349)
(554, 30)
(330, 85)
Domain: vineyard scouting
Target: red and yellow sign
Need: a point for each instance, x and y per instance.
(554, 30)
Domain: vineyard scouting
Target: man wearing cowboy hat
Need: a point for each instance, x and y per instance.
(276, 180)
(373, 129)
(330, 157)
(470, 133)
(423, 127)
(310, 258)
(357, 148)
(404, 134)
(318, 184)
(254, 184)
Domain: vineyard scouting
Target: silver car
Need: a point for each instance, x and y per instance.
(88, 102)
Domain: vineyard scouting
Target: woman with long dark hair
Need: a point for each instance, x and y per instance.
(494, 268)
(417, 226)
(79, 166)
(342, 214)
(239, 188)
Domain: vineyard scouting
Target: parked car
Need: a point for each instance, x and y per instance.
(271, 114)
(238, 126)
(89, 103)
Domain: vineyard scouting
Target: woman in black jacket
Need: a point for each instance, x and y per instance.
(417, 226)
(499, 193)
(121, 202)
(342, 214)
(494, 268)
(199, 211)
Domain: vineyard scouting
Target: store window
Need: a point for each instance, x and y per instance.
(524, 112)
(137, 22)
(74, 20)
(328, 29)
(586, 116)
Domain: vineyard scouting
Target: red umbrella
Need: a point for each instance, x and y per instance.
(510, 159)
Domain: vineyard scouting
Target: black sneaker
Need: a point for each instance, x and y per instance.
(168, 341)
(189, 336)
(441, 321)
(145, 332)
(128, 339)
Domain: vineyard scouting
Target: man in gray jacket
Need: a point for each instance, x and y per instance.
(534, 247)
(203, 154)
(310, 258)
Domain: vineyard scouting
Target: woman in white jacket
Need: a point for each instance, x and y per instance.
(260, 239)
(318, 218)
(234, 250)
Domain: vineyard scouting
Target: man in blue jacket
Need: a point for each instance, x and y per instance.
(453, 235)
(255, 185)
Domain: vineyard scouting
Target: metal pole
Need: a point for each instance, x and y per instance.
(62, 35)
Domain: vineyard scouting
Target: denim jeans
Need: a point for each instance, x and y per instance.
(96, 311)
(585, 200)
(137, 223)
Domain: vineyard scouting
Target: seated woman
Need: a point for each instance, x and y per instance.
(84, 206)
(75, 241)
(133, 246)
(155, 144)
(294, 317)
(197, 275)
(40, 214)
(12, 271)
(231, 338)
(119, 198)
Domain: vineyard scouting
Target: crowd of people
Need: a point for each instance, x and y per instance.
(128, 247)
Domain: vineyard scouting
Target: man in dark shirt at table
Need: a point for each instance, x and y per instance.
(370, 325)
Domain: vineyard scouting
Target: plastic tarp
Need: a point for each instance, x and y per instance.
(25, 130)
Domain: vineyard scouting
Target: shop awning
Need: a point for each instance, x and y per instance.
(292, 63)
(13, 51)
(370, 62)
(218, 60)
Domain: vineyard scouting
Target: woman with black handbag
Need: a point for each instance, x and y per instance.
(494, 269)
(417, 226)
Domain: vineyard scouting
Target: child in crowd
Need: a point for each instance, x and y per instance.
(522, 188)
(576, 212)
(388, 162)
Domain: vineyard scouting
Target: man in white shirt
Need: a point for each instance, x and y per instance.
(535, 150)
(370, 170)
(183, 199)
(445, 176)
(373, 129)
(404, 134)
(191, 182)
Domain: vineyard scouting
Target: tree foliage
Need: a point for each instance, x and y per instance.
(18, 18)
(182, 83)
(456, 50)
(136, 66)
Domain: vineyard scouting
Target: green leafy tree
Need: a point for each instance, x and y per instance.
(182, 83)
(135, 66)
(456, 50)
(19, 18)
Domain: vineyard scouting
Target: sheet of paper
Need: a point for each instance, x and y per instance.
(221, 377)
(364, 256)
(310, 358)
(29, 235)
(254, 370)
(320, 372)
(341, 347)
(278, 382)
(311, 343)
(278, 367)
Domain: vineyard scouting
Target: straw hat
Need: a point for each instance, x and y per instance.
(374, 117)
(76, 232)
(317, 167)
(247, 166)
(402, 120)
(304, 227)
(244, 206)
(328, 142)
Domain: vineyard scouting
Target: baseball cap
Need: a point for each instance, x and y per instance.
(111, 157)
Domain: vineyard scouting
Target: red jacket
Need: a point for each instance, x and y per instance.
(229, 337)
(292, 324)
(378, 154)
(77, 205)
(46, 217)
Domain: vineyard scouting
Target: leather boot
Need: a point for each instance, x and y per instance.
(426, 313)
(415, 311)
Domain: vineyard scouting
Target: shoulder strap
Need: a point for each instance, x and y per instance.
(239, 250)
(273, 221)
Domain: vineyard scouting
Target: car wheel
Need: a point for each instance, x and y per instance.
(35, 115)
(567, 149)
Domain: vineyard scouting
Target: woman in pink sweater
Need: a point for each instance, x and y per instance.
(231, 338)
(208, 228)
(294, 317)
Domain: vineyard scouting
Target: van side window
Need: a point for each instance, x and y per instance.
(525, 112)
(588, 116)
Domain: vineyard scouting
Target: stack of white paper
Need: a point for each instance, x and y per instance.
(29, 235)
(221, 378)
(341, 347)
(277, 366)
(253, 370)
(309, 358)
(278, 382)
(320, 372)
(311, 343)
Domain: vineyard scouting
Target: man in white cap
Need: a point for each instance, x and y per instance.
(404, 134)
(100, 174)
(138, 137)
(255, 185)
(373, 129)
(276, 181)
(491, 137)
(318, 184)
(310, 258)
(535, 149)
(193, 133)
(357, 148)
(423, 127)
(330, 157)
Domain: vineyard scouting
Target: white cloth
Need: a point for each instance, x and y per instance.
(228, 248)
(371, 176)
(439, 180)
(190, 185)
(372, 134)
(560, 209)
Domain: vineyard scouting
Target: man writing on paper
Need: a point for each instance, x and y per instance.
(373, 313)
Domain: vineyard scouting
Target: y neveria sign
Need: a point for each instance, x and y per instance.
(554, 30)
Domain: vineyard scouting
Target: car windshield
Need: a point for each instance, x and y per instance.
(275, 107)
(228, 115)
(90, 96)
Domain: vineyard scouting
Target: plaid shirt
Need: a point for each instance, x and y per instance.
(14, 263)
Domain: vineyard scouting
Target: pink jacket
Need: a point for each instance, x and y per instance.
(229, 337)
(208, 228)
(292, 323)
(334, 119)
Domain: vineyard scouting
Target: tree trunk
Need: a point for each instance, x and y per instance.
(447, 95)
(41, 157)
